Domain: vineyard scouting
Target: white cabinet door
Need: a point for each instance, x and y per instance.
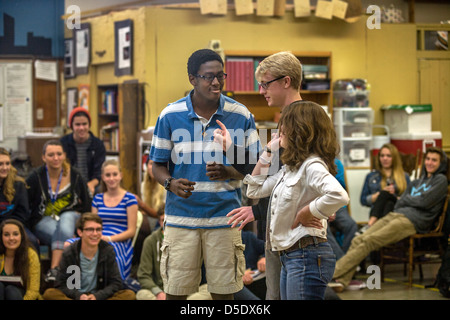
(355, 180)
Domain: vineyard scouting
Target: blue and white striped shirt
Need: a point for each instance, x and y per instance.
(181, 140)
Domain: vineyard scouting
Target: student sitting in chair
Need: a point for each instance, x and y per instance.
(415, 212)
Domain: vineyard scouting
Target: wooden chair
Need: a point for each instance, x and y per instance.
(409, 252)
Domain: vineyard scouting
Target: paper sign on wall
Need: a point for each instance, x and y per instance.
(302, 8)
(243, 7)
(265, 7)
(324, 9)
(339, 8)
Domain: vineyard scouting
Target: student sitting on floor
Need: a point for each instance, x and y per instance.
(94, 261)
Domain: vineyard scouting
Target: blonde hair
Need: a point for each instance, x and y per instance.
(280, 64)
(153, 193)
(308, 130)
(398, 174)
(8, 184)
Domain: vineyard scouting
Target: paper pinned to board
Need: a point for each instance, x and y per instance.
(243, 7)
(265, 7)
(213, 7)
(207, 6)
(46, 70)
(339, 9)
(324, 9)
(302, 8)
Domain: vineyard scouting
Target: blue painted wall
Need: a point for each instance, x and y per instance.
(41, 17)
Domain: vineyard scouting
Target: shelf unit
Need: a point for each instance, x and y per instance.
(108, 117)
(354, 132)
(256, 103)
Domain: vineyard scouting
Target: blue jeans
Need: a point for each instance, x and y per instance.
(54, 233)
(345, 224)
(306, 272)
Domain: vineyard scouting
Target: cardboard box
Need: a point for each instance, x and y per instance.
(407, 117)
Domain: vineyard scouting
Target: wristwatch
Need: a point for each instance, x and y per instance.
(167, 183)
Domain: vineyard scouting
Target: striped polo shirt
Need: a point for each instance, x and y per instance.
(186, 143)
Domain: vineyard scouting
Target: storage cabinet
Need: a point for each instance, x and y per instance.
(247, 92)
(354, 132)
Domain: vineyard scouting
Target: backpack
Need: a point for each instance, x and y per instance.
(443, 275)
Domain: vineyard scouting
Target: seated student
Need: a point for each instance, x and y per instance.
(153, 194)
(342, 221)
(94, 261)
(149, 274)
(254, 260)
(85, 151)
(57, 194)
(18, 258)
(14, 196)
(153, 199)
(383, 186)
(415, 212)
(118, 210)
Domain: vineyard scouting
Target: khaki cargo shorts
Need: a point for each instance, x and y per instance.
(184, 251)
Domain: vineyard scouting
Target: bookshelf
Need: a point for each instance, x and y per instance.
(108, 117)
(241, 66)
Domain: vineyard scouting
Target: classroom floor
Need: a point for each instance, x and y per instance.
(395, 286)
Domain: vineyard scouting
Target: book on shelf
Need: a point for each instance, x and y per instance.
(110, 135)
(15, 280)
(109, 102)
(240, 74)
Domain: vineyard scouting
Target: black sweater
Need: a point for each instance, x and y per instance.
(39, 197)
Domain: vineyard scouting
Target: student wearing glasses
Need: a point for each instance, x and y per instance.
(88, 268)
(118, 209)
(279, 77)
(202, 187)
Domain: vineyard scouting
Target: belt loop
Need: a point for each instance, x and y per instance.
(316, 243)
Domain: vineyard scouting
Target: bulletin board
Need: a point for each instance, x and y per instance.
(16, 101)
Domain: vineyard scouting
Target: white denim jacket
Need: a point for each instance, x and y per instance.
(312, 184)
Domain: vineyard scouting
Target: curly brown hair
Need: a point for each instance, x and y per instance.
(308, 131)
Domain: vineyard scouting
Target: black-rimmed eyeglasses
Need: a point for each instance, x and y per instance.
(265, 85)
(91, 230)
(210, 77)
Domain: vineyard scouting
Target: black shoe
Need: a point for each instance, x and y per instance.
(51, 275)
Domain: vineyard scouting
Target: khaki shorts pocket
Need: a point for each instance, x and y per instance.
(239, 260)
(164, 265)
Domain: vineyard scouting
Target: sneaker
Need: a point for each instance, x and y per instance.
(356, 285)
(362, 230)
(51, 275)
(336, 286)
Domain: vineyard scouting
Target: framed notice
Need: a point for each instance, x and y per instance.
(69, 61)
(123, 49)
(82, 42)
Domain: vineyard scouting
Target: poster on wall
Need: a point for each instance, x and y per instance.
(123, 36)
(82, 42)
(72, 100)
(69, 64)
(83, 96)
